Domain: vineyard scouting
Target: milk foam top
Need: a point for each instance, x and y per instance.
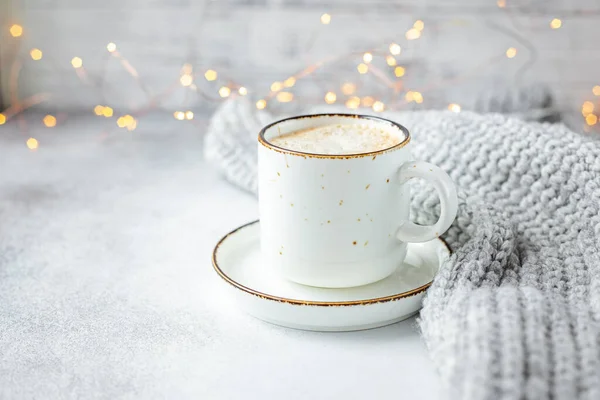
(353, 138)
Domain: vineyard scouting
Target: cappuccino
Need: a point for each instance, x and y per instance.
(340, 139)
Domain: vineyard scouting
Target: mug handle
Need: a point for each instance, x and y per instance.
(413, 233)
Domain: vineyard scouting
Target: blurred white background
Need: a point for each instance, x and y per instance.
(459, 58)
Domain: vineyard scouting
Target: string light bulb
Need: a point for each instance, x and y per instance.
(2, 119)
(210, 75)
(36, 54)
(179, 115)
(289, 82)
(555, 23)
(391, 61)
(186, 80)
(454, 107)
(399, 71)
(409, 96)
(325, 19)
(511, 52)
(353, 102)
(330, 97)
(32, 143)
(189, 115)
(276, 86)
(261, 104)
(76, 62)
(224, 91)
(501, 3)
(367, 101)
(285, 97)
(362, 68)
(587, 108)
(591, 119)
(596, 90)
(107, 112)
(418, 97)
(419, 25)
(395, 49)
(413, 34)
(348, 88)
(16, 30)
(111, 47)
(243, 91)
(367, 57)
(378, 106)
(49, 121)
(99, 110)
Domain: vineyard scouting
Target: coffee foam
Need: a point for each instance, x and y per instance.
(340, 139)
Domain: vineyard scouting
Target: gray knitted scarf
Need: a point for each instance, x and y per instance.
(515, 313)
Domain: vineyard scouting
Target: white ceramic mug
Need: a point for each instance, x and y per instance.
(342, 220)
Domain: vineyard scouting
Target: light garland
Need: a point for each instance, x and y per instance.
(186, 79)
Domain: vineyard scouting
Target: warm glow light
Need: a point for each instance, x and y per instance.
(555, 23)
(353, 102)
(325, 19)
(187, 68)
(591, 119)
(419, 25)
(243, 91)
(99, 110)
(596, 90)
(289, 82)
(186, 80)
(362, 68)
(16, 30)
(501, 3)
(587, 108)
(395, 49)
(418, 97)
(378, 106)
(189, 115)
(36, 54)
(32, 143)
(276, 86)
(391, 61)
(454, 107)
(211, 75)
(224, 91)
(261, 104)
(76, 62)
(348, 88)
(107, 112)
(180, 115)
(367, 57)
(130, 123)
(111, 47)
(413, 34)
(330, 97)
(49, 121)
(368, 101)
(409, 96)
(2, 119)
(285, 97)
(511, 52)
(399, 71)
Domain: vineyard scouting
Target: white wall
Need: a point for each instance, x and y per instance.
(254, 42)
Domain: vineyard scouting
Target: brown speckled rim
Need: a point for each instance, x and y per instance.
(296, 302)
(263, 141)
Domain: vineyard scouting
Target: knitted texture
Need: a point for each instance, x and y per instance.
(515, 312)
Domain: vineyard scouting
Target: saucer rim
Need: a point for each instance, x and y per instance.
(266, 296)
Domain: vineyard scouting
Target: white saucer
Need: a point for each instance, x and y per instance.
(263, 294)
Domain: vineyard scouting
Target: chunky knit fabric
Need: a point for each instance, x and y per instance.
(515, 313)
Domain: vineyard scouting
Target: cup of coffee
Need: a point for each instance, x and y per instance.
(334, 198)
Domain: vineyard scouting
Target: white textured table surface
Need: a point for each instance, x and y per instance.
(107, 291)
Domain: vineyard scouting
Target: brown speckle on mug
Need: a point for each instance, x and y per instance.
(368, 186)
(354, 243)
